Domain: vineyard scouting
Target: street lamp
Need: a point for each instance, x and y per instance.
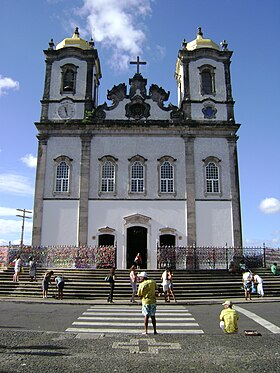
(23, 216)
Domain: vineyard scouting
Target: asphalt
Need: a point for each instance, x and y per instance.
(70, 301)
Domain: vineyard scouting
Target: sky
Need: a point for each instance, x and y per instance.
(154, 30)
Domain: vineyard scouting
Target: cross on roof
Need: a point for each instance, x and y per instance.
(138, 63)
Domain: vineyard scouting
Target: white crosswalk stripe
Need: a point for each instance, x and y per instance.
(171, 319)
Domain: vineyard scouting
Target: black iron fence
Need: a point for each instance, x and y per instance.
(176, 257)
(196, 258)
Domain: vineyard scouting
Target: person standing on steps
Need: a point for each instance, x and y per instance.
(259, 282)
(165, 284)
(247, 284)
(32, 269)
(138, 261)
(133, 283)
(147, 293)
(46, 283)
(171, 287)
(18, 265)
(112, 279)
(59, 280)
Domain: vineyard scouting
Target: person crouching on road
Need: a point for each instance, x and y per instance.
(229, 318)
(147, 293)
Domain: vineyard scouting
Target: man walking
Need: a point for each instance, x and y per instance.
(147, 293)
(229, 318)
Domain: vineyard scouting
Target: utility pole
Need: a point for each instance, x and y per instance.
(23, 216)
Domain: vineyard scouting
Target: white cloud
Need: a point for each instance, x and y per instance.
(6, 84)
(273, 242)
(116, 25)
(161, 51)
(270, 205)
(15, 184)
(7, 211)
(12, 228)
(29, 160)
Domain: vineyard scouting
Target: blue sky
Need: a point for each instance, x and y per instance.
(154, 30)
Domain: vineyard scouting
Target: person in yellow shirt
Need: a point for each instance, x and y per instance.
(147, 293)
(229, 318)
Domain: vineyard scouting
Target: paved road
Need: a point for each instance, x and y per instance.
(33, 339)
(172, 319)
(127, 319)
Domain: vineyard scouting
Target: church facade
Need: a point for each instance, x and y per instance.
(137, 173)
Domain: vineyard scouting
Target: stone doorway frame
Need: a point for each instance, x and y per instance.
(141, 221)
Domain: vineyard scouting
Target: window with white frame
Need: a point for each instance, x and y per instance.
(137, 174)
(166, 177)
(137, 177)
(62, 177)
(108, 177)
(212, 178)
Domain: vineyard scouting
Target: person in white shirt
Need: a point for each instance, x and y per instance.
(259, 282)
(18, 266)
(165, 284)
(247, 284)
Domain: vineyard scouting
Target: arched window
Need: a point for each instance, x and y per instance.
(108, 177)
(137, 178)
(212, 178)
(166, 177)
(137, 174)
(68, 78)
(62, 177)
(207, 80)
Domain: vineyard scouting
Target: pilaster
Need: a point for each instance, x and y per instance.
(39, 190)
(235, 193)
(190, 188)
(84, 189)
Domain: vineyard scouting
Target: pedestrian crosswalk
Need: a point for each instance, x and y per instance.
(128, 319)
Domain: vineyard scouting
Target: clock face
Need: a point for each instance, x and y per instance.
(66, 110)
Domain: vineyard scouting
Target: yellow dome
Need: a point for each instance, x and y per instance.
(75, 41)
(200, 42)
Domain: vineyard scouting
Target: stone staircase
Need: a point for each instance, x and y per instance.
(90, 284)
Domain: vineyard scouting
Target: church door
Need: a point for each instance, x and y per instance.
(136, 243)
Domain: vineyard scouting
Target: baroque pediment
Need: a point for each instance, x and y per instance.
(136, 104)
(137, 219)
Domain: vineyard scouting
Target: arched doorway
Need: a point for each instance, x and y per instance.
(167, 240)
(136, 243)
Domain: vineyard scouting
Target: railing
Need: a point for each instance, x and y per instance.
(176, 257)
(199, 258)
(62, 256)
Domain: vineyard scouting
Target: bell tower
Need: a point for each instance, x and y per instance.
(203, 80)
(71, 80)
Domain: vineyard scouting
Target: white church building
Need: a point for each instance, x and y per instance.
(137, 173)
